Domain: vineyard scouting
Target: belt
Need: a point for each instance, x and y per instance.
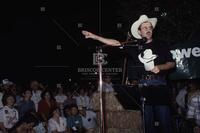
(149, 80)
(152, 77)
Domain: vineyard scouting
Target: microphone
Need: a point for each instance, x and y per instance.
(135, 41)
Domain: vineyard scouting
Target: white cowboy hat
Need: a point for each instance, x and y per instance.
(147, 59)
(136, 24)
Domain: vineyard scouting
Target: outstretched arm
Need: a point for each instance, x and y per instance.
(107, 41)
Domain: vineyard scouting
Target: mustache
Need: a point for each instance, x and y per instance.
(148, 32)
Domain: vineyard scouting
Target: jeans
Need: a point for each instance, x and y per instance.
(157, 119)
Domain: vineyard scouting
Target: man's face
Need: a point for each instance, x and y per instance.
(146, 30)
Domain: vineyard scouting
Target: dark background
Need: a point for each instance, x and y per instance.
(32, 31)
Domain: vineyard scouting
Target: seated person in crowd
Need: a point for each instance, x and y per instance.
(181, 98)
(74, 121)
(70, 99)
(193, 106)
(35, 86)
(57, 123)
(46, 105)
(89, 120)
(83, 100)
(107, 84)
(26, 105)
(60, 97)
(8, 114)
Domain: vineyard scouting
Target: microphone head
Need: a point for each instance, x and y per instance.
(144, 39)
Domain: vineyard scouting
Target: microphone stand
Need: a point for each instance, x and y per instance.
(143, 99)
(99, 62)
(137, 43)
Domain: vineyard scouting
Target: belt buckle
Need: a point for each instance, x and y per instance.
(149, 77)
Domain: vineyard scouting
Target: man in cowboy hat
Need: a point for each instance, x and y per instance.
(156, 90)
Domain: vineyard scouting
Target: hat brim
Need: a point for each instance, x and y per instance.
(145, 61)
(136, 24)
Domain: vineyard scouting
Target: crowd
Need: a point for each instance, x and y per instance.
(186, 106)
(34, 108)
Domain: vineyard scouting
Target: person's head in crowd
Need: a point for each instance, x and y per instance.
(70, 99)
(82, 91)
(27, 94)
(69, 94)
(34, 85)
(6, 84)
(47, 95)
(8, 100)
(60, 89)
(55, 113)
(13, 89)
(67, 111)
(93, 86)
(74, 109)
(107, 79)
(194, 85)
(90, 92)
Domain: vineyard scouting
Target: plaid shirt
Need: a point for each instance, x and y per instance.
(194, 107)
